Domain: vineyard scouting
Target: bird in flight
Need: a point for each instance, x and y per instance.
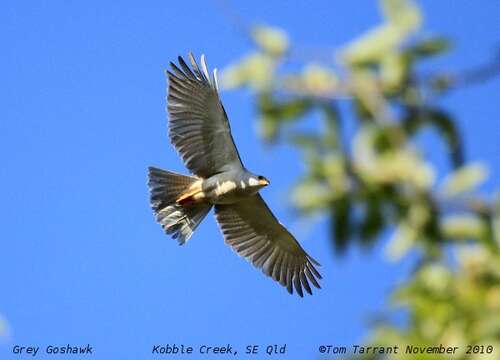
(199, 130)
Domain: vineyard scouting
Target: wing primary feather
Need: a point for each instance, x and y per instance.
(177, 83)
(171, 75)
(259, 263)
(239, 233)
(177, 88)
(267, 267)
(296, 280)
(194, 99)
(173, 95)
(173, 78)
(277, 267)
(289, 274)
(205, 68)
(313, 261)
(265, 243)
(313, 269)
(216, 81)
(304, 282)
(240, 241)
(260, 259)
(246, 250)
(289, 277)
(186, 68)
(256, 256)
(250, 252)
(180, 74)
(196, 67)
(311, 277)
(283, 270)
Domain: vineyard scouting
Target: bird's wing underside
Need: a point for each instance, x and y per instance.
(198, 127)
(254, 233)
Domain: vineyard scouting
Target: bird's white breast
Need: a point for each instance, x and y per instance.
(224, 187)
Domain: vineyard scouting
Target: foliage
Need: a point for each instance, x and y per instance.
(380, 177)
(451, 307)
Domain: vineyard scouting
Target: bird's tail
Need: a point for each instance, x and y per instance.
(179, 220)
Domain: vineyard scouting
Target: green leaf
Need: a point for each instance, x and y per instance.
(333, 136)
(418, 118)
(319, 80)
(378, 163)
(403, 18)
(268, 127)
(428, 47)
(393, 71)
(435, 277)
(440, 83)
(284, 110)
(305, 140)
(463, 227)
(373, 45)
(463, 180)
(401, 241)
(275, 113)
(340, 223)
(373, 221)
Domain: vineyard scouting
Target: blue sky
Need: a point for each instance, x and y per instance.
(81, 258)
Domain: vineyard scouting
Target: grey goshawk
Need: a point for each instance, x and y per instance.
(199, 130)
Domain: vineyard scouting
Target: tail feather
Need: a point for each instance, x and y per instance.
(177, 220)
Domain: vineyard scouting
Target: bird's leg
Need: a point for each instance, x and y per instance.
(193, 194)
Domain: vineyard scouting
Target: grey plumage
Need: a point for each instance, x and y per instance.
(198, 127)
(261, 239)
(176, 220)
(199, 130)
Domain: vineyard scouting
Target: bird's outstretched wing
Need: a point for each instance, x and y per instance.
(254, 233)
(198, 127)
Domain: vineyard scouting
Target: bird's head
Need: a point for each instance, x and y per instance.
(257, 181)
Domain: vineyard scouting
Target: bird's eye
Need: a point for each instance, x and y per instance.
(260, 177)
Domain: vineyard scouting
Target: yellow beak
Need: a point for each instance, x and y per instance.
(264, 182)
